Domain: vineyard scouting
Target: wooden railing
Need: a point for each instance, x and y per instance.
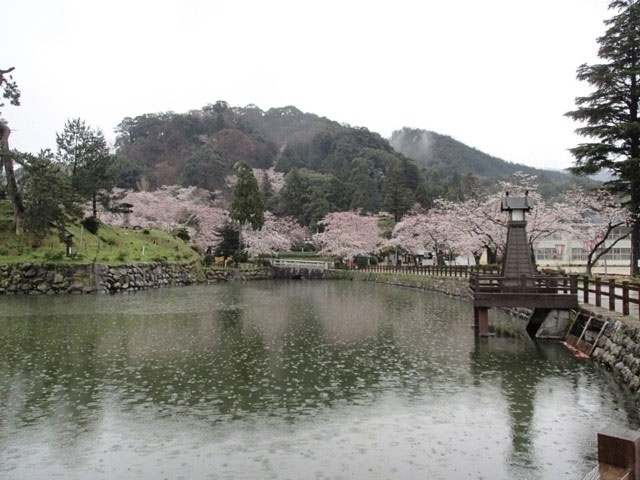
(432, 270)
(297, 263)
(523, 284)
(618, 296)
(623, 297)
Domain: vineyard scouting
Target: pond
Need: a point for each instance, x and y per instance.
(281, 380)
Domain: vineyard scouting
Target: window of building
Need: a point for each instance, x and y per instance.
(546, 254)
(578, 254)
(617, 254)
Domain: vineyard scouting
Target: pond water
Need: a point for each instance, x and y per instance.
(289, 380)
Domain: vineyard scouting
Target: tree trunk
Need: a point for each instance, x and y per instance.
(590, 263)
(94, 205)
(12, 186)
(635, 243)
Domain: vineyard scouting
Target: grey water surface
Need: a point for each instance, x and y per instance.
(289, 380)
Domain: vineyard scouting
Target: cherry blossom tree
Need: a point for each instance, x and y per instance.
(169, 208)
(478, 224)
(278, 234)
(438, 230)
(596, 216)
(347, 234)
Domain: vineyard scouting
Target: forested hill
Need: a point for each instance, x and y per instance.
(328, 166)
(445, 154)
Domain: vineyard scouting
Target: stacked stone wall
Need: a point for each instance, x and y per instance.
(50, 279)
(32, 279)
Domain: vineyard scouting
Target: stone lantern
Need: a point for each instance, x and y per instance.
(69, 241)
(517, 206)
(517, 258)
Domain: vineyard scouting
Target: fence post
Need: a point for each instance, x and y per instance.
(612, 295)
(625, 298)
(573, 279)
(598, 292)
(523, 283)
(585, 289)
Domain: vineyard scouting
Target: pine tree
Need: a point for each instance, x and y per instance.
(610, 112)
(89, 164)
(247, 205)
(268, 195)
(48, 198)
(397, 197)
(229, 241)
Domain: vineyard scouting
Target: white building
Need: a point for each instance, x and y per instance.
(562, 251)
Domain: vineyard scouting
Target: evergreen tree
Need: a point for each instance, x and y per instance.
(397, 197)
(293, 195)
(268, 195)
(315, 209)
(85, 155)
(229, 241)
(610, 113)
(365, 194)
(48, 197)
(204, 168)
(247, 205)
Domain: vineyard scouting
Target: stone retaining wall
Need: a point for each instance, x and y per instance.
(31, 279)
(212, 275)
(619, 349)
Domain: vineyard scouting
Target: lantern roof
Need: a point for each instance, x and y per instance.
(517, 203)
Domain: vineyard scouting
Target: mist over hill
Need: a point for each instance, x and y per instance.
(447, 156)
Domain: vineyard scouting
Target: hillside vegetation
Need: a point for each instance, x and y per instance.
(111, 245)
(327, 166)
(447, 156)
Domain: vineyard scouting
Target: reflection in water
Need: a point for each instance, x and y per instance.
(288, 380)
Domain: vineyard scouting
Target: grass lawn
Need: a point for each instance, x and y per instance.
(111, 245)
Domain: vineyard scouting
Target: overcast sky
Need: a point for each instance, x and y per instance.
(495, 74)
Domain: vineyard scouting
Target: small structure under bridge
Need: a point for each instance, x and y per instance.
(518, 285)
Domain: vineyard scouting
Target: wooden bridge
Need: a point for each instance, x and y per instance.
(610, 293)
(541, 293)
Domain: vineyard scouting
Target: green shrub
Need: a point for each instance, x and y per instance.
(53, 256)
(208, 260)
(183, 234)
(240, 257)
(146, 231)
(122, 256)
(92, 224)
